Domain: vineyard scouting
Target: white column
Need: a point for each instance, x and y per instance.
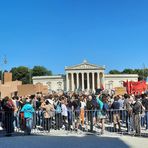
(103, 81)
(102, 84)
(93, 84)
(82, 81)
(88, 82)
(67, 81)
(77, 80)
(72, 80)
(98, 77)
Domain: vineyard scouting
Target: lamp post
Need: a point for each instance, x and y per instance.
(4, 62)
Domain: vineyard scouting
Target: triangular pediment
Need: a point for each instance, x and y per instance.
(84, 65)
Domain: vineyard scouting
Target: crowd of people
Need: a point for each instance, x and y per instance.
(73, 111)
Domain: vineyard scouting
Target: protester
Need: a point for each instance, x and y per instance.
(137, 110)
(116, 114)
(58, 115)
(48, 110)
(75, 111)
(128, 104)
(90, 111)
(8, 107)
(82, 110)
(145, 104)
(64, 113)
(28, 111)
(101, 113)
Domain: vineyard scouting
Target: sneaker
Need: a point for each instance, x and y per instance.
(1, 128)
(63, 127)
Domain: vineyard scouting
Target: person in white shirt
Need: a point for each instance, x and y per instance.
(64, 112)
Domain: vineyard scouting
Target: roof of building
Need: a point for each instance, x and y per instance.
(48, 77)
(84, 65)
(121, 75)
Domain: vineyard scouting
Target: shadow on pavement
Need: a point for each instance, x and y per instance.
(34, 141)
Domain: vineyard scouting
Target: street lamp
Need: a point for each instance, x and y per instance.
(4, 62)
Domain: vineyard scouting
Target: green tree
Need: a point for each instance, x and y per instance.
(142, 73)
(21, 73)
(40, 71)
(145, 71)
(128, 71)
(114, 72)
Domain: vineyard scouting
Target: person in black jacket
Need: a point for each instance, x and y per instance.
(145, 104)
(137, 110)
(8, 107)
(90, 109)
(116, 113)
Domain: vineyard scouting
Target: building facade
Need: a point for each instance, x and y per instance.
(85, 76)
(116, 80)
(54, 83)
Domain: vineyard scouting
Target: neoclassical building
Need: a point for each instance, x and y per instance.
(84, 76)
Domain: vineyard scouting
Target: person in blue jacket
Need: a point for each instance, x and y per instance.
(28, 115)
(101, 114)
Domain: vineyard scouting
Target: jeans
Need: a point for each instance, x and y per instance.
(16, 120)
(128, 122)
(47, 124)
(123, 115)
(143, 119)
(39, 118)
(146, 117)
(29, 122)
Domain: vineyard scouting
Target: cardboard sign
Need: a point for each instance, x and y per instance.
(41, 88)
(30, 89)
(25, 90)
(120, 90)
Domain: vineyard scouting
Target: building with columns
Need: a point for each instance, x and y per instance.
(84, 76)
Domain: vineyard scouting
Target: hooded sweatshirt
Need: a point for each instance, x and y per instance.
(28, 110)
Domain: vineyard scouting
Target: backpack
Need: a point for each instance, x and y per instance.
(129, 108)
(105, 108)
(9, 106)
(100, 103)
(137, 108)
(58, 108)
(38, 104)
(95, 103)
(77, 106)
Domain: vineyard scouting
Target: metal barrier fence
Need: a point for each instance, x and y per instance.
(95, 121)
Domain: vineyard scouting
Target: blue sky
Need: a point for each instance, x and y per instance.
(59, 33)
